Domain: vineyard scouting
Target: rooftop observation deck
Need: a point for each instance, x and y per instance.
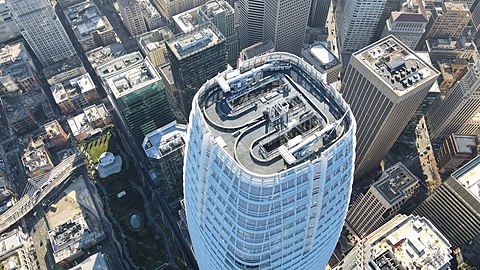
(274, 114)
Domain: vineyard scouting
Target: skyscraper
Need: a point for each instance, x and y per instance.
(42, 30)
(195, 57)
(318, 13)
(269, 167)
(384, 84)
(359, 23)
(408, 24)
(132, 16)
(250, 19)
(459, 111)
(449, 20)
(454, 207)
(285, 24)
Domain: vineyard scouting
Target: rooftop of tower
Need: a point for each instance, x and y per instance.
(197, 40)
(274, 112)
(395, 182)
(396, 65)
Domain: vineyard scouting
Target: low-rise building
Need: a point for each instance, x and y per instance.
(457, 150)
(451, 49)
(165, 148)
(104, 54)
(89, 122)
(75, 94)
(323, 60)
(7, 199)
(90, 26)
(36, 158)
(152, 45)
(8, 28)
(256, 49)
(451, 71)
(64, 70)
(382, 200)
(20, 118)
(56, 134)
(16, 251)
(17, 72)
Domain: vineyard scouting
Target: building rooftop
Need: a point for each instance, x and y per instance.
(95, 262)
(396, 65)
(82, 122)
(119, 64)
(213, 8)
(164, 140)
(318, 55)
(466, 143)
(13, 53)
(131, 77)
(10, 242)
(15, 65)
(407, 242)
(469, 176)
(195, 41)
(187, 20)
(266, 120)
(86, 18)
(257, 49)
(442, 44)
(394, 182)
(102, 55)
(53, 129)
(411, 11)
(65, 90)
(36, 158)
(151, 40)
(71, 63)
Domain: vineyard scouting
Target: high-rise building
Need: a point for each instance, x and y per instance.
(404, 242)
(220, 14)
(359, 23)
(475, 10)
(459, 111)
(132, 16)
(449, 20)
(8, 27)
(89, 25)
(382, 201)
(195, 57)
(384, 84)
(170, 8)
(42, 30)
(319, 13)
(153, 45)
(457, 150)
(269, 167)
(323, 60)
(390, 6)
(137, 93)
(285, 24)
(251, 18)
(454, 207)
(408, 24)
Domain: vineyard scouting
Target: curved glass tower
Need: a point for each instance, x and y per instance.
(268, 167)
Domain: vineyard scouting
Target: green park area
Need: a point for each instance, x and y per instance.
(97, 147)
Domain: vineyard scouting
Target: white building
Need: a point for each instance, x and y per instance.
(408, 24)
(132, 16)
(268, 175)
(42, 30)
(359, 22)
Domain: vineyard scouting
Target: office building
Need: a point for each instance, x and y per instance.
(285, 24)
(89, 122)
(36, 158)
(8, 27)
(17, 250)
(195, 57)
(152, 45)
(170, 8)
(91, 28)
(137, 93)
(319, 13)
(132, 16)
(449, 20)
(457, 150)
(256, 49)
(359, 23)
(251, 16)
(42, 30)
(165, 149)
(323, 60)
(221, 15)
(404, 242)
(64, 70)
(75, 94)
(449, 49)
(277, 167)
(458, 112)
(384, 84)
(408, 25)
(152, 17)
(102, 55)
(18, 72)
(55, 133)
(454, 207)
(382, 200)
